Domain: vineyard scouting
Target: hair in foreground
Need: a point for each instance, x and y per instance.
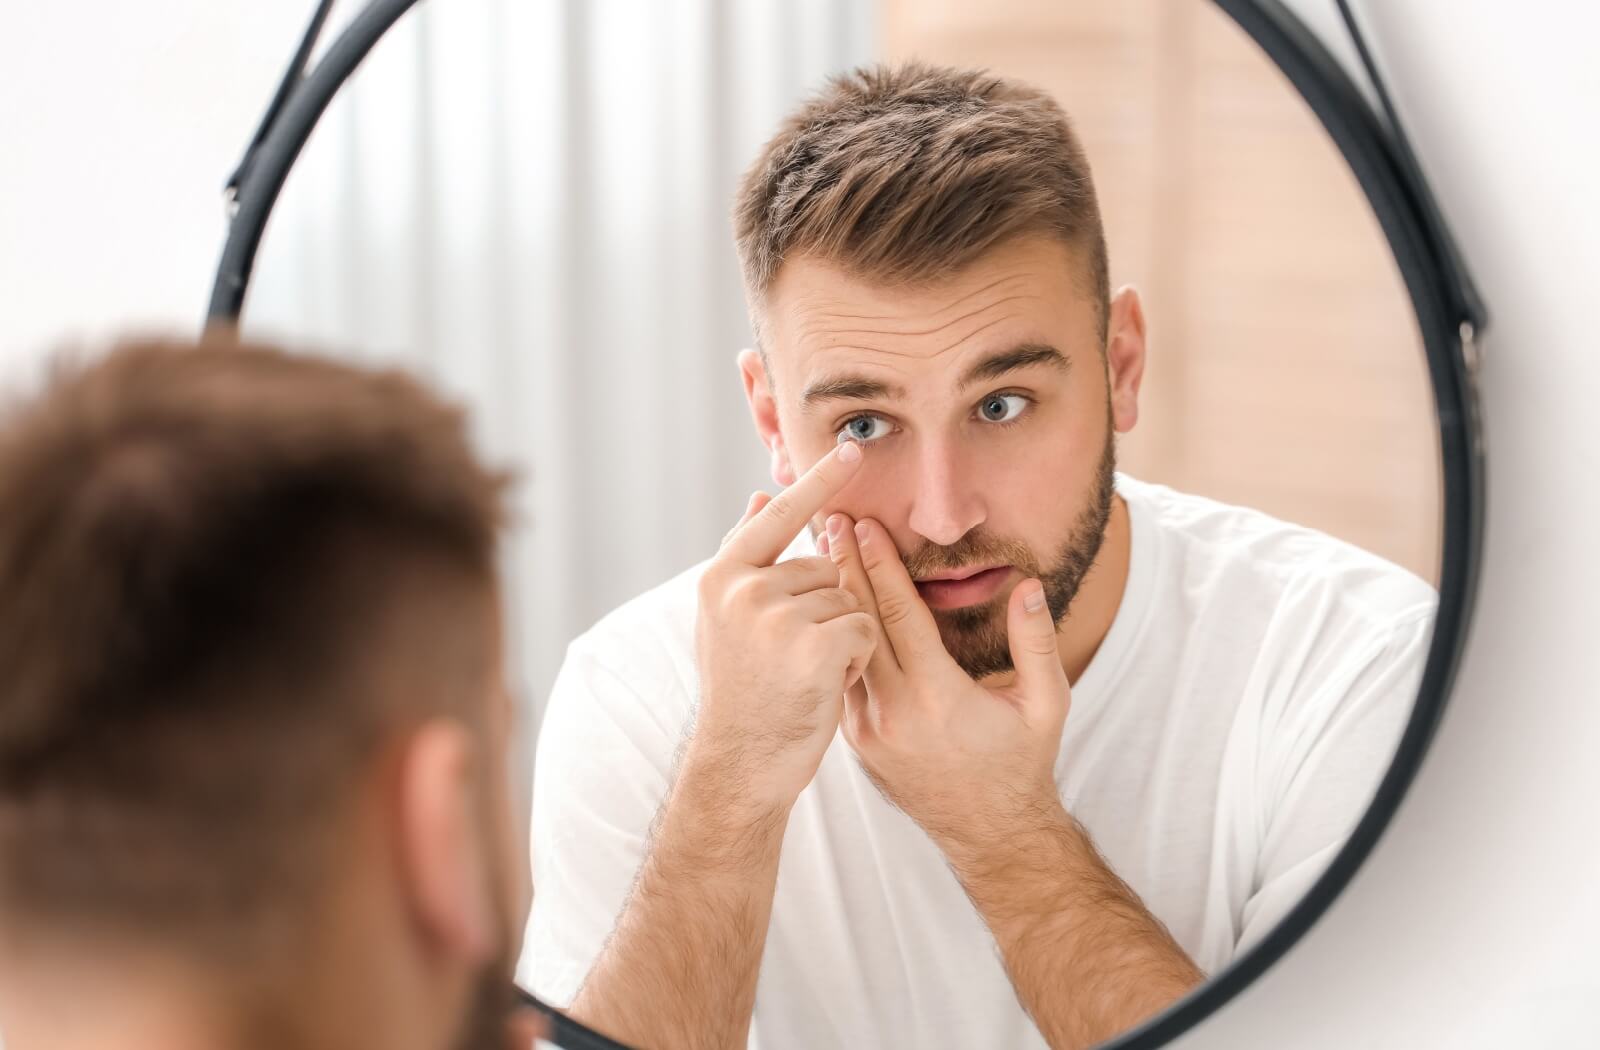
(228, 572)
(907, 174)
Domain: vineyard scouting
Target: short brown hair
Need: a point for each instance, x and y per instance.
(204, 549)
(909, 173)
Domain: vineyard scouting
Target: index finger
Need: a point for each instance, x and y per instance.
(764, 537)
(853, 578)
(907, 622)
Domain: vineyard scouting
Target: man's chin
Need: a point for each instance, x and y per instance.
(975, 638)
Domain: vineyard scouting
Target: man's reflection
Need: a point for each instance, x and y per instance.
(838, 792)
(253, 729)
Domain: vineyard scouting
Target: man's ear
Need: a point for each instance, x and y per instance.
(442, 849)
(1125, 353)
(764, 411)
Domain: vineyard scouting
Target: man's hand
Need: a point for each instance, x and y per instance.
(776, 644)
(970, 763)
(974, 765)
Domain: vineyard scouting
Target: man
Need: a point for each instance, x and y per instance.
(1018, 749)
(253, 727)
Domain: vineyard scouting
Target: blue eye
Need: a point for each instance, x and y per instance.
(863, 429)
(1001, 408)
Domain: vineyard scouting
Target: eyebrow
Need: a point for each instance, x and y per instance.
(849, 388)
(1007, 361)
(859, 388)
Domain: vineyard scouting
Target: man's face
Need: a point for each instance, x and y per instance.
(984, 407)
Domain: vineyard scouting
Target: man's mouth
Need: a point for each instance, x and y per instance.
(959, 588)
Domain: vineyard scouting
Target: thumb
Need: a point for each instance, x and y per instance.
(1031, 631)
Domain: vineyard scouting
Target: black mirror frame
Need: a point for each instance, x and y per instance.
(1449, 313)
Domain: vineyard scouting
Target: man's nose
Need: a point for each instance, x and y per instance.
(945, 503)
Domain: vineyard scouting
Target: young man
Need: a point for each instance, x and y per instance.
(253, 725)
(840, 792)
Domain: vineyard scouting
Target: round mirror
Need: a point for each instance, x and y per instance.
(1102, 295)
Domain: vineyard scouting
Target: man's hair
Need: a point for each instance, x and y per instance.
(209, 555)
(907, 174)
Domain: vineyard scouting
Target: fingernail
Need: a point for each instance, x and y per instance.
(1035, 601)
(861, 532)
(849, 452)
(835, 526)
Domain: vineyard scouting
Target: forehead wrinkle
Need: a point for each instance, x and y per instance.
(952, 305)
(815, 315)
(969, 335)
(918, 334)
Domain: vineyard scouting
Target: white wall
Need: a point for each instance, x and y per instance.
(119, 123)
(1476, 922)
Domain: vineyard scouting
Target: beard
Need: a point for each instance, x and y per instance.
(976, 636)
(483, 1025)
(493, 996)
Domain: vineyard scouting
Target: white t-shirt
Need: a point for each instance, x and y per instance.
(1225, 738)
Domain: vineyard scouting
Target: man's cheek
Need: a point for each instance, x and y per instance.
(870, 494)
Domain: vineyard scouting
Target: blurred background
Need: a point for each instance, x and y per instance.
(529, 203)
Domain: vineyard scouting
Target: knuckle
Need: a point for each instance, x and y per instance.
(854, 636)
(821, 569)
(1040, 646)
(781, 509)
(893, 610)
(840, 599)
(711, 582)
(818, 564)
(743, 592)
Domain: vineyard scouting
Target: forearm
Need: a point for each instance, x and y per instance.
(1086, 957)
(680, 968)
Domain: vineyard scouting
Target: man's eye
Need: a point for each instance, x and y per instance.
(1002, 408)
(863, 428)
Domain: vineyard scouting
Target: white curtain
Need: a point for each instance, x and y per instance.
(529, 201)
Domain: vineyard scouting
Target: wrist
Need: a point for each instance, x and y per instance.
(1004, 832)
(715, 822)
(1019, 867)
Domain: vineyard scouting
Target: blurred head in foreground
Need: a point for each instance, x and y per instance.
(252, 719)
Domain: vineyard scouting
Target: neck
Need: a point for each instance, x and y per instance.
(1099, 597)
(114, 1001)
(100, 996)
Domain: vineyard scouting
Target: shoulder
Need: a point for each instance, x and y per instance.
(1257, 561)
(648, 629)
(632, 675)
(1319, 644)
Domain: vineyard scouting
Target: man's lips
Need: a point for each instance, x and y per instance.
(963, 587)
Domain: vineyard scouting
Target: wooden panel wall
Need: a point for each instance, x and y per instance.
(1286, 371)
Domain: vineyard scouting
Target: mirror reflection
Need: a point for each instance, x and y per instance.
(1087, 581)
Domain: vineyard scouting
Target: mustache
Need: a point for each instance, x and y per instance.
(975, 548)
